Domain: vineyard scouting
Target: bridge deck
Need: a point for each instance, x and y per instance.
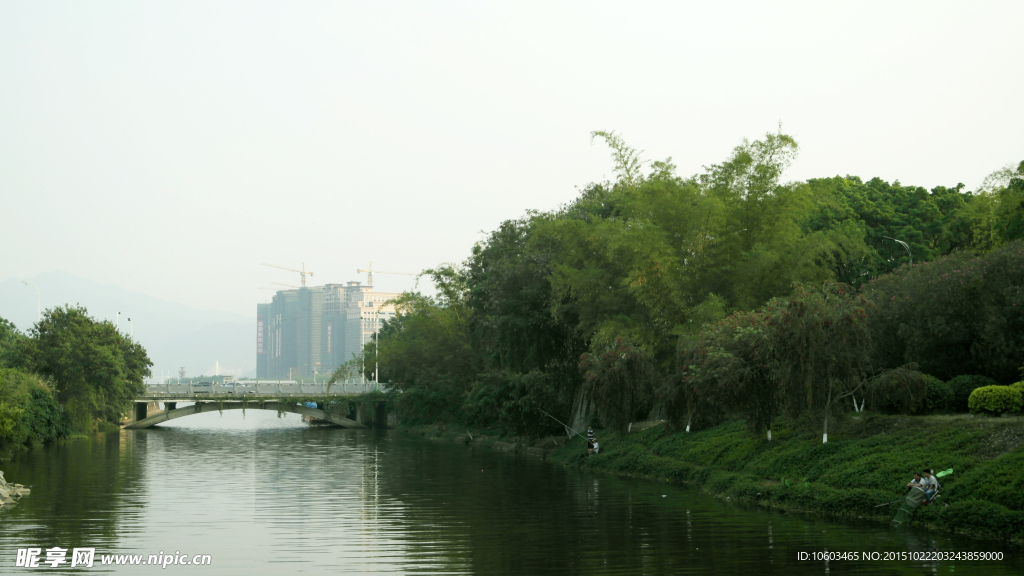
(249, 390)
(207, 397)
(201, 407)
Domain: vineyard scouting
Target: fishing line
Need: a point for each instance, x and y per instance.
(562, 423)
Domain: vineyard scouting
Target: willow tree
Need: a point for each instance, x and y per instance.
(821, 348)
(802, 354)
(620, 380)
(726, 366)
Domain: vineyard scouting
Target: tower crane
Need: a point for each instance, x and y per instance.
(369, 274)
(303, 273)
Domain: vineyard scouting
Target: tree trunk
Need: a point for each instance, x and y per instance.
(828, 407)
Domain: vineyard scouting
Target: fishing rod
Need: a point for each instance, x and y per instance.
(562, 423)
(887, 503)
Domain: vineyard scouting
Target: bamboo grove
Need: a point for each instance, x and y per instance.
(731, 292)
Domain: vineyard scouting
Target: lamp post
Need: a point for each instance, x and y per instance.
(38, 313)
(905, 245)
(131, 329)
(376, 348)
(117, 320)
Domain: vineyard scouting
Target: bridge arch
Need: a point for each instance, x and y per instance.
(202, 407)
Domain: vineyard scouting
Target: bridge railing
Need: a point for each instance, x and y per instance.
(260, 388)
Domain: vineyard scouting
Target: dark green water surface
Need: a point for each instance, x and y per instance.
(266, 496)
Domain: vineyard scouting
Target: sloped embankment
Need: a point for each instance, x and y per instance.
(865, 463)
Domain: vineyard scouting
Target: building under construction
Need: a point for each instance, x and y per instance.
(311, 331)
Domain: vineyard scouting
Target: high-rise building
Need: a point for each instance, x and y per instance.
(283, 312)
(307, 331)
(311, 331)
(262, 342)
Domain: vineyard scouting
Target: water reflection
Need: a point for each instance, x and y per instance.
(269, 495)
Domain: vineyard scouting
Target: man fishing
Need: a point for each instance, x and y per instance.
(915, 497)
(930, 485)
(922, 490)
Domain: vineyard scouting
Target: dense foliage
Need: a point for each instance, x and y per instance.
(807, 355)
(938, 397)
(28, 411)
(962, 314)
(656, 291)
(962, 387)
(9, 344)
(69, 373)
(620, 380)
(96, 372)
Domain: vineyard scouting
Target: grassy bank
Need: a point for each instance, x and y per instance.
(866, 462)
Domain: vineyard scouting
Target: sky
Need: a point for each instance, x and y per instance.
(171, 148)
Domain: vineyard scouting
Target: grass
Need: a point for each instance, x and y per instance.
(867, 461)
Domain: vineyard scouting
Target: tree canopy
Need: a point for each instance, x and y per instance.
(94, 370)
(642, 282)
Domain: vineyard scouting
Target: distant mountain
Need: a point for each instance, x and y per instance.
(173, 334)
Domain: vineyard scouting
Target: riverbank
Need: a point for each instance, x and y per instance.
(867, 462)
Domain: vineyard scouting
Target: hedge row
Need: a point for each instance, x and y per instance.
(954, 397)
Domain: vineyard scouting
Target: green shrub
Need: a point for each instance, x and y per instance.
(900, 392)
(424, 404)
(963, 386)
(1019, 387)
(995, 400)
(28, 412)
(46, 419)
(938, 397)
(983, 518)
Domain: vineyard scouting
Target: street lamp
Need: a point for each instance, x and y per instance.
(117, 320)
(376, 348)
(38, 314)
(131, 329)
(909, 255)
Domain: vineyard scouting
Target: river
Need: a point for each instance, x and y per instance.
(263, 495)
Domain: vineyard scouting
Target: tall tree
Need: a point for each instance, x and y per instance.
(10, 349)
(96, 371)
(961, 314)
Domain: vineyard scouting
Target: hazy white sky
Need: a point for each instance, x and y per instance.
(169, 148)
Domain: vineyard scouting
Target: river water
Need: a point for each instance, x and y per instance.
(264, 495)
